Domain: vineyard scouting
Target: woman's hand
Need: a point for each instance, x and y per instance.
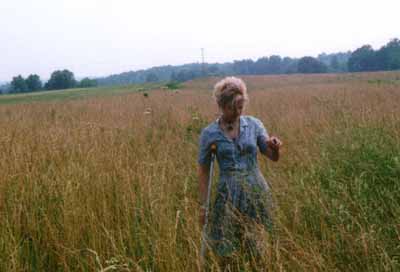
(273, 144)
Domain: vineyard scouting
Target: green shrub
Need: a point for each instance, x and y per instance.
(173, 85)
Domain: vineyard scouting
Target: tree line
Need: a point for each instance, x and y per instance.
(60, 79)
(366, 58)
(362, 59)
(263, 66)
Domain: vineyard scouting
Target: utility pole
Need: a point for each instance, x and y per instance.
(203, 67)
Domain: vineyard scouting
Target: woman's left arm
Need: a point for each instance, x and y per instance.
(269, 146)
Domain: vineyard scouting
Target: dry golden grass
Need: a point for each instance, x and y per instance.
(107, 184)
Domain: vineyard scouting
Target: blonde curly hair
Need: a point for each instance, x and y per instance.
(227, 89)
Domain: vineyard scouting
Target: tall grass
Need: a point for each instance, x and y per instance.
(97, 185)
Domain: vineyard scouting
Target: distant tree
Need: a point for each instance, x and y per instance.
(173, 77)
(151, 77)
(265, 65)
(324, 58)
(363, 59)
(243, 67)
(213, 70)
(275, 64)
(33, 83)
(61, 80)
(87, 83)
(185, 75)
(18, 85)
(389, 56)
(336, 62)
(309, 65)
(259, 67)
(289, 65)
(334, 65)
(181, 76)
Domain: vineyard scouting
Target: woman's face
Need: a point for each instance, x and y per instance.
(234, 110)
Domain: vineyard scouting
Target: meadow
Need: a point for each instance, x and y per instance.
(73, 94)
(109, 182)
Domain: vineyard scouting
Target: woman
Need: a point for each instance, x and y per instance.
(243, 199)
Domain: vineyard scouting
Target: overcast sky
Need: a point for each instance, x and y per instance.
(103, 37)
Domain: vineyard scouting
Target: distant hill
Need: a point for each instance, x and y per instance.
(165, 73)
(336, 62)
(363, 59)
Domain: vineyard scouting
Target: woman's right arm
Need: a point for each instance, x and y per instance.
(203, 173)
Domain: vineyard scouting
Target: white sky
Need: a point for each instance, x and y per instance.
(103, 37)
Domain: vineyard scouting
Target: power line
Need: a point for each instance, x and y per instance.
(203, 68)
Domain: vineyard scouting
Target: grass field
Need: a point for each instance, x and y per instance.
(109, 183)
(70, 94)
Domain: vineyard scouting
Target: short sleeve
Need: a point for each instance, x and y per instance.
(204, 157)
(262, 136)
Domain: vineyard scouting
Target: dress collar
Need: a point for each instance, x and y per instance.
(243, 122)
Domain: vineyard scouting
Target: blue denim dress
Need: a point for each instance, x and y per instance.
(243, 196)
